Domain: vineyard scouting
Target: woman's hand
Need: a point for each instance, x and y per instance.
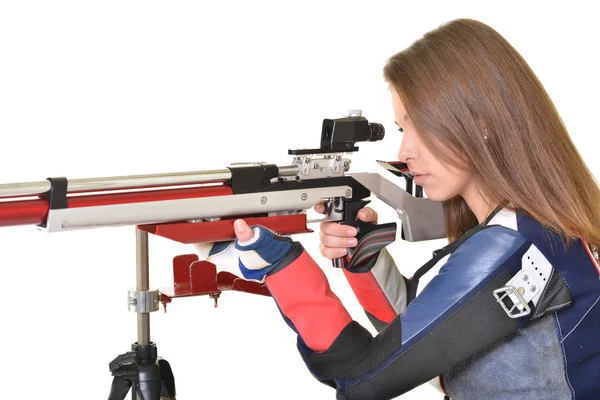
(254, 252)
(337, 238)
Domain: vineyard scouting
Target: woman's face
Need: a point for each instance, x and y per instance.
(439, 181)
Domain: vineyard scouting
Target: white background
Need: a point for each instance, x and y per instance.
(94, 89)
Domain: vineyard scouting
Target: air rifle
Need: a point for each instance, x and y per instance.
(194, 207)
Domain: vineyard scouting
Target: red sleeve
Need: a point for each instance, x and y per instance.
(303, 294)
(370, 295)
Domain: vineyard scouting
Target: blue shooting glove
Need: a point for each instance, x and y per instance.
(259, 249)
(255, 252)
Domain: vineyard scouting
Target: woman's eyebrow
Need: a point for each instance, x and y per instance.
(405, 118)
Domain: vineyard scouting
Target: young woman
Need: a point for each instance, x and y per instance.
(522, 211)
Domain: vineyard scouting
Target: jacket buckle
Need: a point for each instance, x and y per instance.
(512, 295)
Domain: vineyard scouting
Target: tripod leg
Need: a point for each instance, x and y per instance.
(168, 381)
(148, 383)
(149, 390)
(119, 388)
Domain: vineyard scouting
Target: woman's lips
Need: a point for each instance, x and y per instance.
(419, 179)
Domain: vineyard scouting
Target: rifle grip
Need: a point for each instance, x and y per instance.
(371, 237)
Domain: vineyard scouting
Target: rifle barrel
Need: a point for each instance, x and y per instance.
(128, 182)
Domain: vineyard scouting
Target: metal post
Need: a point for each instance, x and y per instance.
(142, 273)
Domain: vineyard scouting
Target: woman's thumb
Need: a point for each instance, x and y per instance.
(242, 231)
(367, 215)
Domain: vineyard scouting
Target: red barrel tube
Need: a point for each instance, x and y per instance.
(35, 211)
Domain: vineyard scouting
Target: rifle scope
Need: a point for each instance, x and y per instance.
(341, 134)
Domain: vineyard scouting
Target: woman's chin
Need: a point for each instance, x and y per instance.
(434, 195)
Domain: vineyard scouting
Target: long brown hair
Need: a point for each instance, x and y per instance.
(467, 90)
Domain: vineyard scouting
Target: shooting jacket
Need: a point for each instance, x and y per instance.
(454, 330)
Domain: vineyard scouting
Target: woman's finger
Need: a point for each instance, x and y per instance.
(332, 252)
(336, 241)
(320, 207)
(337, 229)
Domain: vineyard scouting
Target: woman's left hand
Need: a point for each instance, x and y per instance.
(255, 251)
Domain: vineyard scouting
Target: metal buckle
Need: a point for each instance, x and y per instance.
(521, 305)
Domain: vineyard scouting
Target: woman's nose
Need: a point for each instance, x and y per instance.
(407, 151)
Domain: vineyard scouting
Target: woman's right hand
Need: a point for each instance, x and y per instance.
(337, 238)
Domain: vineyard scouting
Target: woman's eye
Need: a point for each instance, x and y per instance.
(400, 130)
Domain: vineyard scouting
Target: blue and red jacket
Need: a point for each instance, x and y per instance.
(455, 327)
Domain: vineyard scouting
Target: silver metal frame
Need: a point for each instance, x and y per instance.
(151, 212)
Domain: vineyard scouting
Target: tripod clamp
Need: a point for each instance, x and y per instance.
(143, 301)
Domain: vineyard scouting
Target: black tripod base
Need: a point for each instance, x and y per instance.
(149, 378)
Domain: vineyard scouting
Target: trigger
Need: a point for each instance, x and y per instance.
(328, 205)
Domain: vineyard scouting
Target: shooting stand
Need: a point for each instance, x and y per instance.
(148, 376)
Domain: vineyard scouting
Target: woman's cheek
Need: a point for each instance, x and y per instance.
(439, 189)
